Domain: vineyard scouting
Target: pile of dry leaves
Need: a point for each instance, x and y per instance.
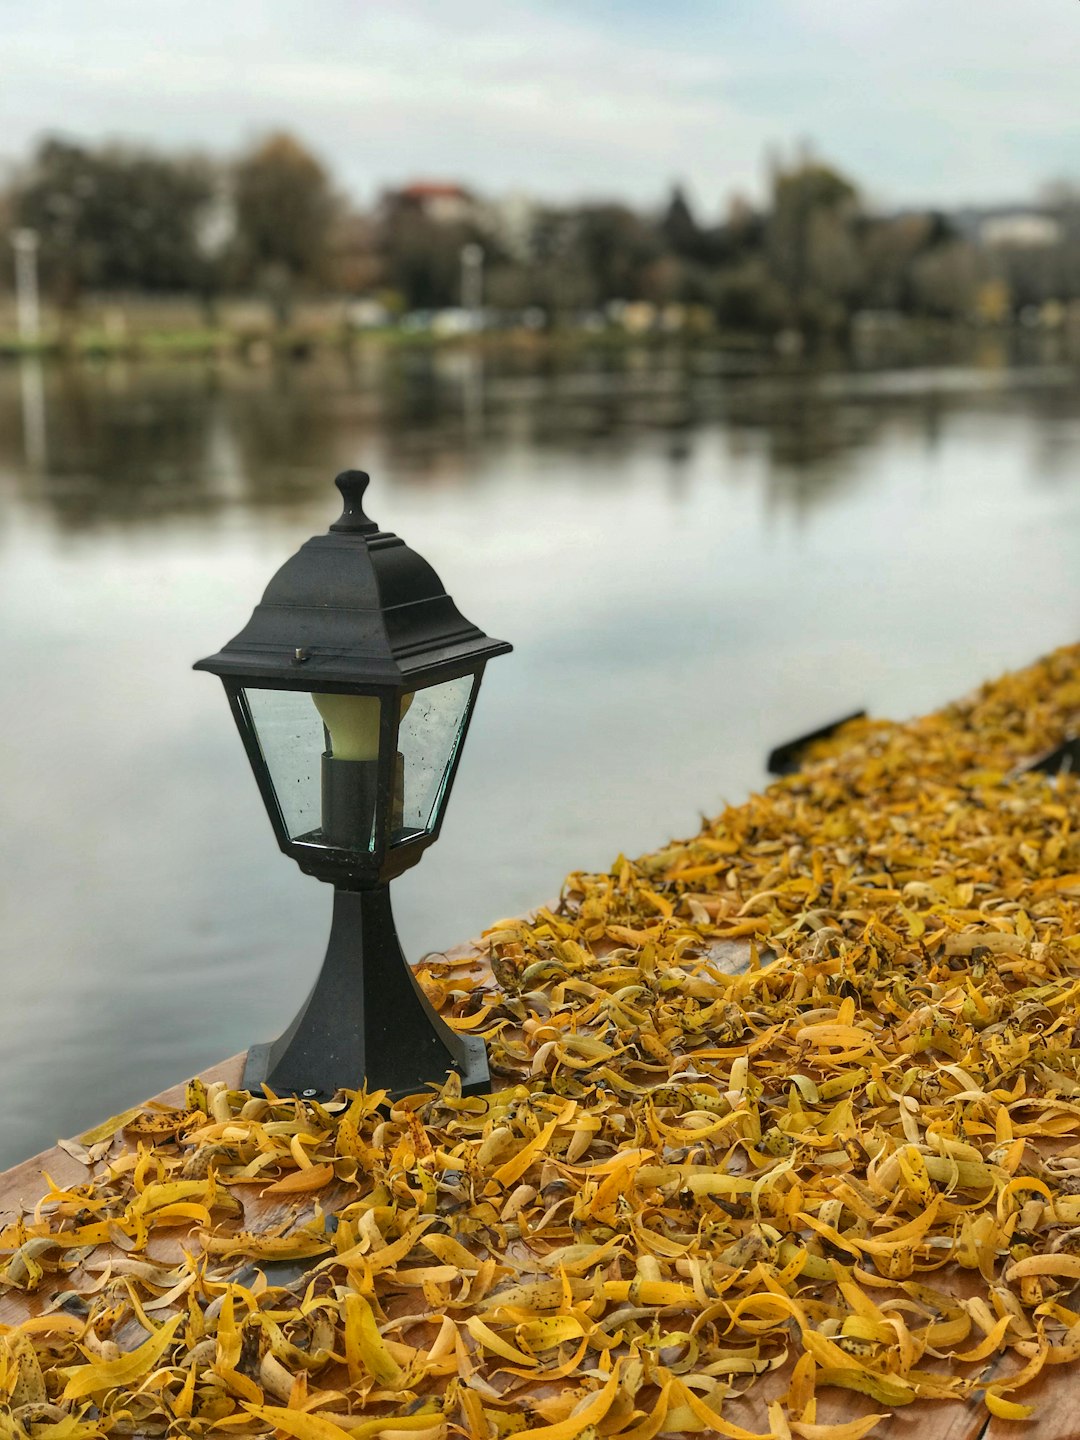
(790, 1108)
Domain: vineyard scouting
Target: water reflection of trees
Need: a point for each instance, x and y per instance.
(136, 446)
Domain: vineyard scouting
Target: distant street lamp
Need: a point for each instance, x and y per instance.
(472, 278)
(352, 686)
(27, 306)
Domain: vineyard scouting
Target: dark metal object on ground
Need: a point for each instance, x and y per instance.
(352, 686)
(785, 759)
(365, 1016)
(1061, 760)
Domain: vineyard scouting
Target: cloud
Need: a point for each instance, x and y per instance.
(918, 98)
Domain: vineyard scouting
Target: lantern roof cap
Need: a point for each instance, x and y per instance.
(354, 607)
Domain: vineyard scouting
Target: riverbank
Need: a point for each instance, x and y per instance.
(154, 333)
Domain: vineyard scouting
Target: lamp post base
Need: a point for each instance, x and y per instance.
(366, 1019)
(259, 1068)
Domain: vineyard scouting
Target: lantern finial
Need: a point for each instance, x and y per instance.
(352, 484)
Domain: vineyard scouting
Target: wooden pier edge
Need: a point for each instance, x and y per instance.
(21, 1186)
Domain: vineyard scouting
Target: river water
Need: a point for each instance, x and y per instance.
(691, 564)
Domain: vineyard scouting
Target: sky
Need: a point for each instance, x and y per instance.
(920, 101)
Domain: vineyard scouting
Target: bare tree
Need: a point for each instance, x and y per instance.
(286, 211)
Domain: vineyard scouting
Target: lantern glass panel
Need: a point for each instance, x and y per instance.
(429, 738)
(294, 732)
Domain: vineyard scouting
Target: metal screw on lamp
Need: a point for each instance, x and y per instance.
(352, 686)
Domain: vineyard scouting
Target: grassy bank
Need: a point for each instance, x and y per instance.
(864, 346)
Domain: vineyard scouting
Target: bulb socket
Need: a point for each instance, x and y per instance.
(350, 794)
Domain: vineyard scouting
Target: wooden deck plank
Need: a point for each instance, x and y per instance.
(1057, 1409)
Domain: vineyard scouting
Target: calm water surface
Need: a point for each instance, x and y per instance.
(691, 567)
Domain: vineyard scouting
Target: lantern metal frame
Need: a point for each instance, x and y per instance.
(345, 868)
(356, 612)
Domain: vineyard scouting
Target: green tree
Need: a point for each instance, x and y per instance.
(680, 231)
(617, 247)
(889, 250)
(946, 280)
(748, 298)
(114, 218)
(286, 213)
(809, 240)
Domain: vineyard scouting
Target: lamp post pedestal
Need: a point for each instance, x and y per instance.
(366, 1016)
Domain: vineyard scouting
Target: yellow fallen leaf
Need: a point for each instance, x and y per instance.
(94, 1378)
(302, 1426)
(1007, 1409)
(1066, 1266)
(485, 1336)
(843, 1430)
(108, 1128)
(578, 1425)
(299, 1182)
(365, 1349)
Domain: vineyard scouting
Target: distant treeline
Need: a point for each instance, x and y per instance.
(117, 219)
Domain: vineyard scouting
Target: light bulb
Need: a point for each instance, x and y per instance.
(353, 723)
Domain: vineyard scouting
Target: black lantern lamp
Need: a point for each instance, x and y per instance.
(352, 686)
